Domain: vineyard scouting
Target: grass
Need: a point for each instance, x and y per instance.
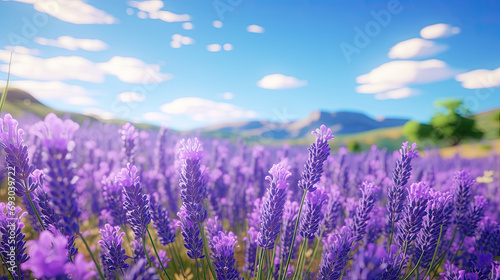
(4, 94)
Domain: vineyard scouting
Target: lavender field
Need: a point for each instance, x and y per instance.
(100, 201)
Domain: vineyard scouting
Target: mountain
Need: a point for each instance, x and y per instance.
(340, 123)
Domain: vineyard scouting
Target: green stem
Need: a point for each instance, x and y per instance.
(294, 236)
(92, 256)
(177, 257)
(271, 271)
(301, 260)
(415, 267)
(156, 252)
(391, 236)
(435, 251)
(205, 248)
(4, 95)
(3, 261)
(261, 264)
(36, 211)
(146, 251)
(314, 254)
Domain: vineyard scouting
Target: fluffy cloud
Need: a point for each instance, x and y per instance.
(147, 6)
(179, 40)
(200, 109)
(214, 48)
(397, 93)
(22, 50)
(70, 43)
(55, 90)
(187, 25)
(279, 81)
(255, 29)
(416, 48)
(127, 69)
(397, 74)
(217, 23)
(152, 9)
(130, 97)
(439, 30)
(74, 11)
(480, 78)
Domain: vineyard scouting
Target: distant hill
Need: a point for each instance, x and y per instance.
(340, 123)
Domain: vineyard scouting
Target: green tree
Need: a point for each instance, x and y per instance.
(354, 147)
(451, 125)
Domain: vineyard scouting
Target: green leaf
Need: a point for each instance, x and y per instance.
(4, 94)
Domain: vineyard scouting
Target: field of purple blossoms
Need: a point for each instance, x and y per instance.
(99, 201)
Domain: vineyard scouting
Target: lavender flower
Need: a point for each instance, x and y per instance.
(129, 140)
(163, 225)
(191, 181)
(365, 206)
(318, 153)
(111, 245)
(451, 272)
(212, 228)
(250, 250)
(461, 194)
(48, 255)
(332, 211)
(191, 233)
(12, 245)
(309, 221)
(136, 203)
(223, 256)
(391, 268)
(471, 219)
(113, 197)
(489, 238)
(400, 177)
(139, 271)
(289, 221)
(411, 223)
(438, 213)
(335, 254)
(272, 209)
(11, 140)
(57, 138)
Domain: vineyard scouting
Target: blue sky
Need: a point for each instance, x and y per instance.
(157, 61)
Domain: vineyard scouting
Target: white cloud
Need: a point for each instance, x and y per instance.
(127, 69)
(55, 90)
(169, 16)
(228, 95)
(187, 25)
(480, 78)
(130, 97)
(279, 81)
(439, 30)
(214, 48)
(200, 109)
(74, 11)
(70, 43)
(98, 113)
(179, 40)
(396, 74)
(255, 29)
(217, 23)
(152, 9)
(22, 50)
(227, 47)
(397, 93)
(416, 48)
(156, 117)
(147, 6)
